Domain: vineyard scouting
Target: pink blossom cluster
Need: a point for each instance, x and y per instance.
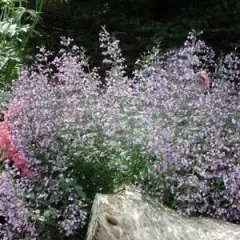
(9, 152)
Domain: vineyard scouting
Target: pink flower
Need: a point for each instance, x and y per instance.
(9, 152)
(5, 141)
(204, 79)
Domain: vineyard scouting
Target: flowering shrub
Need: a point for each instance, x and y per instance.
(167, 129)
(196, 134)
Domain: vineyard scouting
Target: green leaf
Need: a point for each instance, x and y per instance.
(6, 28)
(80, 192)
(17, 15)
(3, 61)
(46, 213)
(41, 218)
(34, 14)
(24, 28)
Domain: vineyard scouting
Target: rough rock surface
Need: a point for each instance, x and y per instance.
(126, 215)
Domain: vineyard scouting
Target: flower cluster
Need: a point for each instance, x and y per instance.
(15, 218)
(183, 118)
(9, 152)
(72, 219)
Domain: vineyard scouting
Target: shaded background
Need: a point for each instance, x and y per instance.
(140, 24)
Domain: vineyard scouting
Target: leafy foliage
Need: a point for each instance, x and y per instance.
(17, 25)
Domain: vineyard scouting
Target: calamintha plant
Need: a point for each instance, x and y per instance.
(162, 130)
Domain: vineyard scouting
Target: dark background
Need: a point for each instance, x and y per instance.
(140, 24)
